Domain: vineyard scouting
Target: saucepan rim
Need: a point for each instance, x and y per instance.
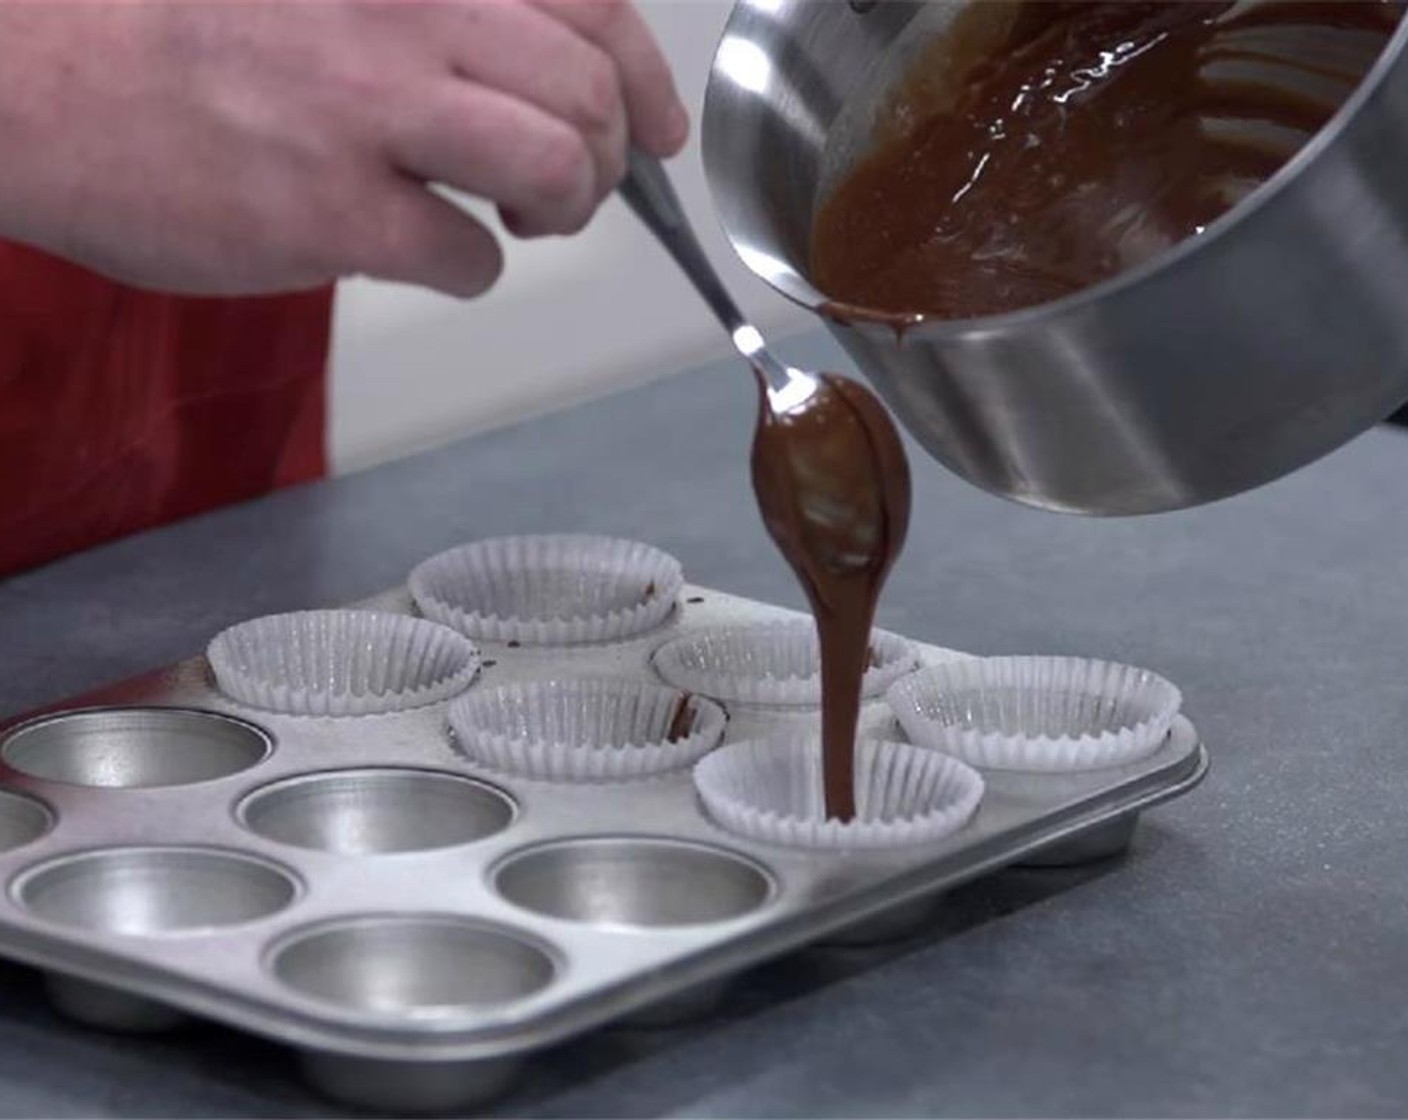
(921, 326)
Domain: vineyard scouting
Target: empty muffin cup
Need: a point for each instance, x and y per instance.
(154, 890)
(376, 811)
(633, 882)
(555, 589)
(22, 819)
(1037, 713)
(777, 664)
(771, 790)
(341, 662)
(587, 730)
(134, 748)
(412, 965)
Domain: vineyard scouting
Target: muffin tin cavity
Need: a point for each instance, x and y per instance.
(135, 747)
(22, 819)
(376, 810)
(144, 891)
(412, 966)
(634, 881)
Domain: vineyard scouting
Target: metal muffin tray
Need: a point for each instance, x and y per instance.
(417, 926)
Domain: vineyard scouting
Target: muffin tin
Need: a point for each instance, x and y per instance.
(418, 926)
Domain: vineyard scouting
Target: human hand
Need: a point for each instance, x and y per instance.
(223, 147)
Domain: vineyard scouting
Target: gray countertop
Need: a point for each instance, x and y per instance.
(1248, 956)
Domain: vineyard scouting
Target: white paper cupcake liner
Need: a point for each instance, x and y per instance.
(341, 662)
(874, 721)
(549, 590)
(587, 730)
(771, 790)
(776, 664)
(1036, 713)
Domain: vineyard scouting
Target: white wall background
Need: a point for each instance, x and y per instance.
(570, 319)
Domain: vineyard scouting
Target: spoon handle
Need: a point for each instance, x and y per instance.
(648, 191)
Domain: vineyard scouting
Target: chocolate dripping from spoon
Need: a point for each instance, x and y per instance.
(830, 475)
(833, 486)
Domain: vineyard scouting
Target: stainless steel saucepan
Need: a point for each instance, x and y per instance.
(1228, 361)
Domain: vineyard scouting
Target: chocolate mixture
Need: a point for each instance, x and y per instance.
(833, 486)
(1036, 148)
(1039, 147)
(681, 721)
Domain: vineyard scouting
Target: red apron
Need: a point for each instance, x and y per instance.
(121, 409)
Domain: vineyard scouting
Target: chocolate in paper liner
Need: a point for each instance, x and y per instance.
(777, 664)
(555, 589)
(341, 662)
(1036, 713)
(584, 730)
(770, 789)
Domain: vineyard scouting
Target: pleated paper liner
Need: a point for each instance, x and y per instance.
(1036, 713)
(559, 589)
(771, 790)
(586, 730)
(341, 662)
(777, 664)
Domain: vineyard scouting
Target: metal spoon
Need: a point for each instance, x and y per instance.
(831, 478)
(648, 191)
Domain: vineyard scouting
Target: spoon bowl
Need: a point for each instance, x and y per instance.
(821, 440)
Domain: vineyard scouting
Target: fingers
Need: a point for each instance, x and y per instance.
(658, 120)
(526, 53)
(546, 95)
(416, 237)
(491, 144)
